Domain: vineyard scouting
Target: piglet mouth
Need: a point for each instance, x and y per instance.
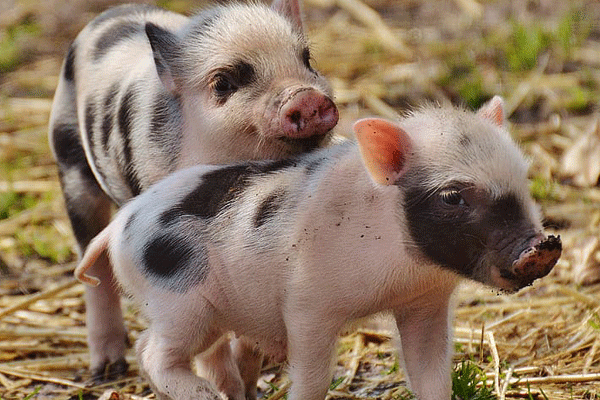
(534, 262)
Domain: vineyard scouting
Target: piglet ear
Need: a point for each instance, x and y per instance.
(290, 9)
(385, 148)
(166, 53)
(493, 111)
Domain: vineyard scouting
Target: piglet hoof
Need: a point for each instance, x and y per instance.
(537, 261)
(110, 371)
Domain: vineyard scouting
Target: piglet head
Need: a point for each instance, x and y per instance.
(465, 198)
(243, 77)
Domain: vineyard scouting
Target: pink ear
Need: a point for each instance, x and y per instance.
(385, 148)
(290, 9)
(493, 111)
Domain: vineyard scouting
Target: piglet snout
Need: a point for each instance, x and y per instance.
(537, 260)
(307, 113)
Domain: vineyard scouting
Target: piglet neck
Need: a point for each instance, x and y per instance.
(373, 224)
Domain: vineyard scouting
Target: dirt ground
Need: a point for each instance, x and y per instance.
(382, 57)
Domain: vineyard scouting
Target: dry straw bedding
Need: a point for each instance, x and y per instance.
(543, 342)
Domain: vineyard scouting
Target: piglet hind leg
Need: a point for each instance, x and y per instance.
(249, 361)
(89, 211)
(234, 365)
(165, 351)
(107, 338)
(427, 349)
(220, 366)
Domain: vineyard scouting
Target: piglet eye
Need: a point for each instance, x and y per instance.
(223, 85)
(452, 197)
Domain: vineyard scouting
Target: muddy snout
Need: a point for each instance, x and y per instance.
(537, 260)
(307, 112)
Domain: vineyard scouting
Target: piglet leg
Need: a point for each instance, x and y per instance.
(310, 352)
(249, 361)
(219, 366)
(427, 349)
(165, 351)
(106, 332)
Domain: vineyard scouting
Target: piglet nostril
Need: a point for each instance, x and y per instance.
(328, 113)
(295, 116)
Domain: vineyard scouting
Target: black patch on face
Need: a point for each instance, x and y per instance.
(122, 11)
(124, 118)
(230, 79)
(69, 71)
(218, 188)
(113, 36)
(506, 210)
(167, 257)
(244, 73)
(461, 237)
(507, 215)
(448, 235)
(268, 208)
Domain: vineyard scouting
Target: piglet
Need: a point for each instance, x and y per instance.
(285, 253)
(144, 92)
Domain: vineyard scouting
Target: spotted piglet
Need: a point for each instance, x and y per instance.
(144, 92)
(285, 253)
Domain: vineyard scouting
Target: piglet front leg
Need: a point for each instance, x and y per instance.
(311, 346)
(427, 349)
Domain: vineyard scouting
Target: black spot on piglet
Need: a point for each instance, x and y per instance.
(219, 187)
(166, 254)
(268, 207)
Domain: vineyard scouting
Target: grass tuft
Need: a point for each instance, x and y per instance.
(469, 383)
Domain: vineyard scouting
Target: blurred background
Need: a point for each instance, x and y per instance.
(382, 57)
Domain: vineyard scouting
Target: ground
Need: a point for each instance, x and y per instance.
(382, 57)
